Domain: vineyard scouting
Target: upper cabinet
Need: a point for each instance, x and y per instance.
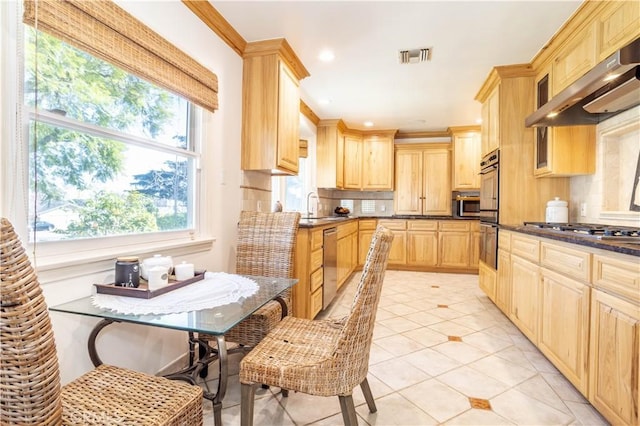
(330, 154)
(574, 60)
(490, 122)
(565, 150)
(354, 159)
(377, 161)
(466, 157)
(423, 180)
(271, 107)
(616, 26)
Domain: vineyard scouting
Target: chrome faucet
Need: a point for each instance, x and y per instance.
(309, 195)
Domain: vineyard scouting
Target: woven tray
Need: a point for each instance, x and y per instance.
(143, 292)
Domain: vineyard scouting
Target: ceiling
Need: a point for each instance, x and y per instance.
(366, 82)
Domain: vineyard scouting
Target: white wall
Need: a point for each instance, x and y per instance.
(145, 348)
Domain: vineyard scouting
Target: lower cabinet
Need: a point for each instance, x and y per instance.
(564, 328)
(525, 296)
(614, 354)
(398, 252)
(581, 307)
(487, 278)
(453, 243)
(422, 243)
(366, 228)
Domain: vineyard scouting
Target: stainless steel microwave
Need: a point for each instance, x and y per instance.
(466, 204)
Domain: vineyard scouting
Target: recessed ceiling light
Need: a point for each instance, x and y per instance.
(478, 120)
(324, 101)
(368, 123)
(326, 56)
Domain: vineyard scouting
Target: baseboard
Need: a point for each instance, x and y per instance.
(177, 364)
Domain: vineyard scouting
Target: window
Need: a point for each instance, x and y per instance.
(109, 153)
(291, 191)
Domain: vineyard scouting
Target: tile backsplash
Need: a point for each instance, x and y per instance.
(365, 203)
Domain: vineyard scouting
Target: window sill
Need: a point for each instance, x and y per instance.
(70, 265)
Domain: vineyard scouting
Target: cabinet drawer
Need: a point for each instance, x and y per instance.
(422, 225)
(568, 261)
(316, 279)
(316, 302)
(619, 274)
(316, 259)
(504, 240)
(316, 239)
(367, 224)
(454, 225)
(525, 247)
(396, 225)
(347, 229)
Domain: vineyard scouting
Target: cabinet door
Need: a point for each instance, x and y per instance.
(377, 171)
(330, 155)
(466, 161)
(617, 25)
(474, 249)
(364, 241)
(343, 254)
(487, 279)
(564, 326)
(578, 57)
(408, 193)
(288, 150)
(493, 137)
(525, 296)
(353, 162)
(422, 248)
(503, 284)
(398, 252)
(614, 358)
(453, 249)
(436, 171)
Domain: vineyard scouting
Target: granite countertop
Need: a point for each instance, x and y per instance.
(329, 220)
(575, 238)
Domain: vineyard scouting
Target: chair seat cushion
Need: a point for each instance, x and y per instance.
(113, 395)
(297, 355)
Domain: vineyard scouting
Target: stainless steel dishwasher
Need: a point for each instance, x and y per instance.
(329, 263)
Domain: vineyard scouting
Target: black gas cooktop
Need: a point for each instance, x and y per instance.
(599, 231)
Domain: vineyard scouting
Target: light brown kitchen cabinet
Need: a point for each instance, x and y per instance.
(614, 358)
(564, 150)
(564, 325)
(377, 168)
(453, 243)
(487, 278)
(330, 154)
(525, 296)
(366, 229)
(576, 58)
(490, 129)
(474, 247)
(503, 282)
(423, 180)
(307, 293)
(347, 234)
(466, 157)
(523, 197)
(617, 25)
(271, 107)
(398, 251)
(422, 243)
(353, 161)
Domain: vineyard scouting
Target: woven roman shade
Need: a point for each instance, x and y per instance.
(106, 31)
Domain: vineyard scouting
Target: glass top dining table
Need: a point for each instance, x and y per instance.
(211, 321)
(216, 321)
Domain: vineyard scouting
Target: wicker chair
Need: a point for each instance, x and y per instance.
(266, 244)
(30, 391)
(322, 357)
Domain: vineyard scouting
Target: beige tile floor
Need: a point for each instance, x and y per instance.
(442, 353)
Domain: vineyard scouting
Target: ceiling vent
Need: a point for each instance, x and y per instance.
(414, 56)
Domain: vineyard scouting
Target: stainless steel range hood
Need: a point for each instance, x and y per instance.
(609, 88)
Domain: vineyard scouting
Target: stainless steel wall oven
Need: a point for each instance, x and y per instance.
(489, 208)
